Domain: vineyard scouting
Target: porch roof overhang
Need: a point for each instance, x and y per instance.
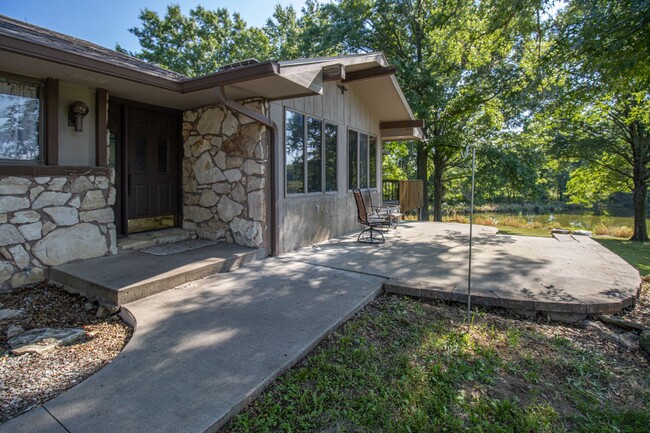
(40, 53)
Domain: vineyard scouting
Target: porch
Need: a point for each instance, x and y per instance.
(134, 273)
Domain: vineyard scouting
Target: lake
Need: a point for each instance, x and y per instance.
(583, 221)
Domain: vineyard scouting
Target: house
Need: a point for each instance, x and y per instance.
(96, 145)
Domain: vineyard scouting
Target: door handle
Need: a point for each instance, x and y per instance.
(129, 185)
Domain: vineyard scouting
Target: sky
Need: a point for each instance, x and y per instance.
(106, 22)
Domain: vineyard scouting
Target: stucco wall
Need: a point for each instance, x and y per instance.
(306, 219)
(76, 148)
(51, 220)
(225, 176)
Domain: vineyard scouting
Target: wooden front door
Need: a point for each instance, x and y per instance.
(152, 170)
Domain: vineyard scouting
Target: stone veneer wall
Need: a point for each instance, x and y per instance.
(50, 220)
(224, 175)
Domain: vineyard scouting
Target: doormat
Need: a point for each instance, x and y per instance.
(179, 247)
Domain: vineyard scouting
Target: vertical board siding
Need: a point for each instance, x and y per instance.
(311, 218)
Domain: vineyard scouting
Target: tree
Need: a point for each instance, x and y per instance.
(603, 49)
(197, 44)
(457, 61)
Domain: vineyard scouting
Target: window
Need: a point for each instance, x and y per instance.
(310, 154)
(362, 160)
(372, 161)
(20, 112)
(294, 151)
(353, 161)
(331, 141)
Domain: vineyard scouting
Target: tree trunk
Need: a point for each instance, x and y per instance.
(422, 160)
(640, 200)
(640, 196)
(439, 165)
(641, 174)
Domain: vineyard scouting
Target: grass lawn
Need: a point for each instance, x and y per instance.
(635, 253)
(403, 365)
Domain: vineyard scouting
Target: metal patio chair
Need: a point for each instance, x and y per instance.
(373, 224)
(392, 212)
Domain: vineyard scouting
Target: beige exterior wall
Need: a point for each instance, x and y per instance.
(77, 148)
(306, 219)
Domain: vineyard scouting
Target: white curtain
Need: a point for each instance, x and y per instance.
(19, 120)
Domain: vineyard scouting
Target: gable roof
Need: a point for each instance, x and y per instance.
(42, 53)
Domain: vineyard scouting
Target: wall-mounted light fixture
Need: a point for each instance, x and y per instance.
(76, 113)
(342, 88)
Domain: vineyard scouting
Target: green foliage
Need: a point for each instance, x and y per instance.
(593, 184)
(408, 366)
(197, 44)
(602, 111)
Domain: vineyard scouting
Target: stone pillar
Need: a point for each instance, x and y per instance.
(224, 175)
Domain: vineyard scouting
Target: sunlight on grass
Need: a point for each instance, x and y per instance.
(408, 366)
(635, 253)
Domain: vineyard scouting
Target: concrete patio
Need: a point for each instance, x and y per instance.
(202, 351)
(565, 278)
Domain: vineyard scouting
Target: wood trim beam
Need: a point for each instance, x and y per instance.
(364, 74)
(49, 170)
(101, 131)
(51, 122)
(417, 123)
(333, 73)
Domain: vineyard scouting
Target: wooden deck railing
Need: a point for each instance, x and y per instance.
(407, 192)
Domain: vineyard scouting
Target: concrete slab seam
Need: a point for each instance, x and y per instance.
(55, 419)
(336, 268)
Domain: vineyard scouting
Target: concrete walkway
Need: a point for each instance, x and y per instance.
(200, 353)
(203, 351)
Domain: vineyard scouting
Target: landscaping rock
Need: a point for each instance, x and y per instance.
(39, 348)
(89, 306)
(626, 340)
(14, 330)
(104, 311)
(644, 341)
(621, 323)
(8, 313)
(61, 337)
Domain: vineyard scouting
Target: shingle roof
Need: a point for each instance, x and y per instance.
(30, 33)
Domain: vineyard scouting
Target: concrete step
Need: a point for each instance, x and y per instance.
(139, 241)
(127, 277)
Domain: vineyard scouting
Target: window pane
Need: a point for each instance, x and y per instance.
(352, 159)
(363, 161)
(294, 148)
(331, 135)
(19, 120)
(314, 155)
(372, 151)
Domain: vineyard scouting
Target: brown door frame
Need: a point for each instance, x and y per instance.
(122, 199)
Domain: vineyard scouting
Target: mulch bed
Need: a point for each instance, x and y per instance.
(31, 380)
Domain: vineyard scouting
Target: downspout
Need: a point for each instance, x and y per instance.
(273, 130)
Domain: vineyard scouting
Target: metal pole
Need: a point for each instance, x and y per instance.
(471, 225)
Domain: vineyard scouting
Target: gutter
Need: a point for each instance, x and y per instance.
(273, 129)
